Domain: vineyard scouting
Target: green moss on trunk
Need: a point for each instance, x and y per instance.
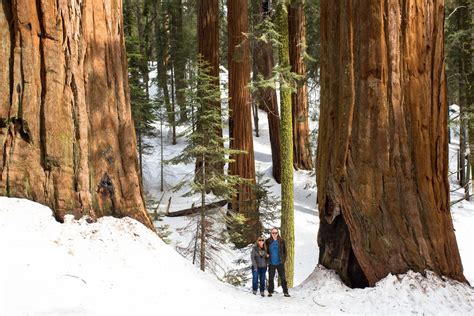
(286, 132)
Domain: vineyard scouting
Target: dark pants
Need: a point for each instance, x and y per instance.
(256, 275)
(271, 276)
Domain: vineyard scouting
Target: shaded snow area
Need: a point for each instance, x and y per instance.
(119, 267)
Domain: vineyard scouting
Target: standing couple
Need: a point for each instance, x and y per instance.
(271, 252)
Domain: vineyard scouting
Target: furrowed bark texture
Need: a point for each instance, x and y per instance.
(299, 98)
(208, 50)
(240, 119)
(382, 170)
(267, 97)
(67, 136)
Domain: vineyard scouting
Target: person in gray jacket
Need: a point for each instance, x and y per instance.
(259, 265)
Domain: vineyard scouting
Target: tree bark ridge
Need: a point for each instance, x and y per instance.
(68, 139)
(382, 168)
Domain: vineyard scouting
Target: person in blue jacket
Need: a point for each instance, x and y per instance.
(276, 249)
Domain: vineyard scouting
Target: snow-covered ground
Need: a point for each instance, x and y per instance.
(119, 267)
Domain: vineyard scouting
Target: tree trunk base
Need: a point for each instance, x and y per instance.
(338, 255)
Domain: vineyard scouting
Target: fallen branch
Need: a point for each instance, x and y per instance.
(196, 209)
(74, 276)
(461, 199)
(318, 303)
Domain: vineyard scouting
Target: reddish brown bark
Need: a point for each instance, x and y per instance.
(240, 120)
(299, 98)
(208, 50)
(67, 136)
(382, 169)
(267, 98)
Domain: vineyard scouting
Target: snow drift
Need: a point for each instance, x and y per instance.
(117, 266)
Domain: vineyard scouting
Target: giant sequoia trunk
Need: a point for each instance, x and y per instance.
(299, 99)
(66, 131)
(382, 168)
(240, 121)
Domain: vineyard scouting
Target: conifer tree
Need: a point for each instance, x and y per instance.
(206, 145)
(143, 111)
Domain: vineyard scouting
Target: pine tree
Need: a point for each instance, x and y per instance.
(143, 111)
(162, 44)
(313, 40)
(178, 57)
(206, 145)
(459, 50)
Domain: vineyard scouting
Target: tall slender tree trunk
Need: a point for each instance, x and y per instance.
(66, 131)
(463, 118)
(179, 59)
(267, 97)
(465, 27)
(203, 217)
(299, 98)
(208, 51)
(287, 201)
(240, 121)
(382, 168)
(138, 10)
(173, 104)
(162, 57)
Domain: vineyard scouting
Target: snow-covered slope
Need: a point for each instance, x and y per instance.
(118, 267)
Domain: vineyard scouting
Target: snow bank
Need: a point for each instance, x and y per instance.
(119, 267)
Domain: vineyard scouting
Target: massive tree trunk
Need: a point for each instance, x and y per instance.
(208, 51)
(287, 191)
(299, 98)
(240, 120)
(66, 132)
(382, 168)
(267, 97)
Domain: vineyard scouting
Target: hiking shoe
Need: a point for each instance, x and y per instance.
(287, 295)
(262, 293)
(254, 292)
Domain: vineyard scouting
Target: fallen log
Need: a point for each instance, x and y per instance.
(195, 209)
